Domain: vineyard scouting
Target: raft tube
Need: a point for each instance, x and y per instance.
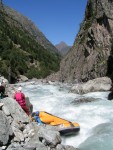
(69, 130)
(65, 127)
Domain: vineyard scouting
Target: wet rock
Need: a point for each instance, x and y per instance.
(84, 100)
(98, 84)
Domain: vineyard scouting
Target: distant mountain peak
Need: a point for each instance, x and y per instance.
(62, 47)
(63, 43)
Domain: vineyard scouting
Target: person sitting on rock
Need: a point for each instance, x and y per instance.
(20, 98)
(35, 117)
(2, 91)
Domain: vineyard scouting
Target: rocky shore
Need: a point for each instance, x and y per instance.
(17, 132)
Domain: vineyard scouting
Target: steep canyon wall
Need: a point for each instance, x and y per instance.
(91, 55)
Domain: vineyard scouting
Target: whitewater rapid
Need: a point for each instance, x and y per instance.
(57, 100)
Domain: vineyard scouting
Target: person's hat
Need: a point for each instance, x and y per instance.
(20, 88)
(3, 81)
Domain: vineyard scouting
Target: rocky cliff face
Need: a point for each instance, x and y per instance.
(91, 56)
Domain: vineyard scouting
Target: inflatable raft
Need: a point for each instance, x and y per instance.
(65, 127)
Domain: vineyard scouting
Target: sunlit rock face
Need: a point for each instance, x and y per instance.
(91, 55)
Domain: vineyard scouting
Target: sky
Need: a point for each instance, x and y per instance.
(58, 20)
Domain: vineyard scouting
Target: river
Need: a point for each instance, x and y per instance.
(95, 118)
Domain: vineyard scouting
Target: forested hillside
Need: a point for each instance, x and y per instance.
(29, 26)
(21, 54)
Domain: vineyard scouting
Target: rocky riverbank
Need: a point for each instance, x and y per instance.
(17, 132)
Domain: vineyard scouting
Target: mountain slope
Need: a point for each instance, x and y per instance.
(20, 53)
(31, 28)
(91, 56)
(62, 47)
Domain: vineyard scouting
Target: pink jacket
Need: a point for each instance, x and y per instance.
(20, 98)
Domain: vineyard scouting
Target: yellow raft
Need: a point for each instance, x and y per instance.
(65, 126)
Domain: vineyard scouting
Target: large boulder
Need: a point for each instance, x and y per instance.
(5, 129)
(12, 108)
(23, 78)
(83, 100)
(98, 84)
(4, 80)
(51, 137)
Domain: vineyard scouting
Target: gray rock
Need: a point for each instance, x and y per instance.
(15, 110)
(17, 132)
(84, 100)
(3, 147)
(98, 84)
(35, 145)
(15, 146)
(6, 111)
(1, 105)
(23, 78)
(90, 56)
(67, 147)
(10, 119)
(5, 129)
(60, 147)
(30, 130)
(52, 138)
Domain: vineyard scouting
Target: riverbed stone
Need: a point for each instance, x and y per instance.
(84, 100)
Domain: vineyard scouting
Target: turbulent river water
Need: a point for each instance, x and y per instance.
(95, 118)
